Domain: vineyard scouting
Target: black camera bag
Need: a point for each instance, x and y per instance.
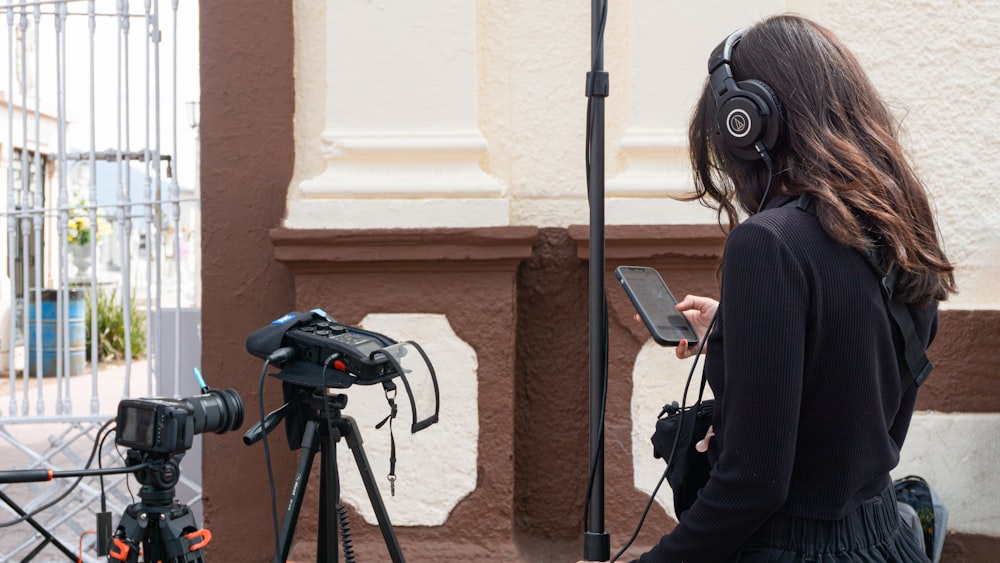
(677, 431)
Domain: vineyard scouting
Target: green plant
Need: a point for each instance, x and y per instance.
(111, 327)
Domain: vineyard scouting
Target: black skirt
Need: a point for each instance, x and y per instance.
(874, 533)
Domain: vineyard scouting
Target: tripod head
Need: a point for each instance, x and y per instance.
(164, 528)
(302, 404)
(156, 472)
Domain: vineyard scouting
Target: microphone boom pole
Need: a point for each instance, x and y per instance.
(597, 542)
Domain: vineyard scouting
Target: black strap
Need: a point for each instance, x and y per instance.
(390, 395)
(914, 356)
(917, 366)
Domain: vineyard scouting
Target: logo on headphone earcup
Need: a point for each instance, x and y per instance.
(747, 115)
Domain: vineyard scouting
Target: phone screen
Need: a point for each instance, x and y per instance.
(655, 304)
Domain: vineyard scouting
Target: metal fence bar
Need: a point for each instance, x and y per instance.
(151, 340)
(39, 208)
(95, 405)
(175, 215)
(123, 218)
(63, 365)
(157, 182)
(25, 272)
(11, 227)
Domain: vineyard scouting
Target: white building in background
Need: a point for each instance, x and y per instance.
(128, 107)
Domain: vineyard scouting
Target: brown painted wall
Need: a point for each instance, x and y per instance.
(531, 336)
(966, 363)
(246, 165)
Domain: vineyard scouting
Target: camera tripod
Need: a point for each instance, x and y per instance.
(322, 426)
(165, 529)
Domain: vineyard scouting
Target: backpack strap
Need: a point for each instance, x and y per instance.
(914, 355)
(917, 366)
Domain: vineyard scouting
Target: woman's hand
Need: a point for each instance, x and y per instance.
(699, 312)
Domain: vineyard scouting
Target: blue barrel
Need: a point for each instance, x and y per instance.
(50, 351)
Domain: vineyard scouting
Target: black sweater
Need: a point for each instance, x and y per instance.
(809, 416)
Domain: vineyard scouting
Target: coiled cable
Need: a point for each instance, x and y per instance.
(345, 533)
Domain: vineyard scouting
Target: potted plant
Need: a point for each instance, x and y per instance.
(79, 234)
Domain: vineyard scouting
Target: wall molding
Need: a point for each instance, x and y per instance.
(338, 250)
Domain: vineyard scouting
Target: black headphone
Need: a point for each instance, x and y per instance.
(747, 113)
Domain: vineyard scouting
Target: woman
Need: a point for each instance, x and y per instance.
(811, 410)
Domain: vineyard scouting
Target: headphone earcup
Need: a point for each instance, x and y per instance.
(776, 113)
(749, 114)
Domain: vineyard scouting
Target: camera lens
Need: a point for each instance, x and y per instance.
(217, 411)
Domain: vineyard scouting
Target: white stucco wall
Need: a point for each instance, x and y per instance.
(503, 141)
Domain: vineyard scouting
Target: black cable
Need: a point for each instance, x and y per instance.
(762, 151)
(326, 403)
(687, 385)
(100, 465)
(342, 516)
(600, 37)
(600, 444)
(348, 548)
(128, 486)
(677, 436)
(69, 490)
(642, 519)
(345, 533)
(267, 459)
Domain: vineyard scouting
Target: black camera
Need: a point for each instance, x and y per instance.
(168, 426)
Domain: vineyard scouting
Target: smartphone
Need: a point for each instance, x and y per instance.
(655, 304)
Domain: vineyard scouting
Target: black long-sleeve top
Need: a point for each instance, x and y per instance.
(810, 409)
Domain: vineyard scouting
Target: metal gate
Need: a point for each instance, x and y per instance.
(99, 233)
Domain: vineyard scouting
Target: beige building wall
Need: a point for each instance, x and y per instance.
(452, 113)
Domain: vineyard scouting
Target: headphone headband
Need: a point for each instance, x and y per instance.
(723, 53)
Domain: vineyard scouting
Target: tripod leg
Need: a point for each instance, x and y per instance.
(329, 494)
(310, 443)
(388, 534)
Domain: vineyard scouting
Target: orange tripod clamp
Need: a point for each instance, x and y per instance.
(122, 548)
(204, 534)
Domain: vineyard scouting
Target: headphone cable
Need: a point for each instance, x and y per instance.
(673, 450)
(762, 151)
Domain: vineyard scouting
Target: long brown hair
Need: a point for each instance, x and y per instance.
(839, 144)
